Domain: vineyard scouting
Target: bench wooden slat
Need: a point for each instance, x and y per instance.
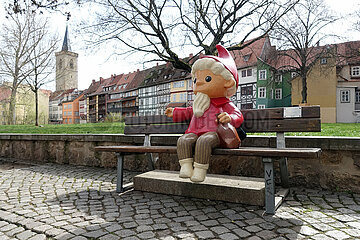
(242, 151)
(286, 125)
(249, 114)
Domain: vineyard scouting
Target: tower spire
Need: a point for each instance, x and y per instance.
(66, 43)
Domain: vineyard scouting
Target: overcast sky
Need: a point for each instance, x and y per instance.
(94, 65)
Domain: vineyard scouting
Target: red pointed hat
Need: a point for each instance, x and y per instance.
(226, 59)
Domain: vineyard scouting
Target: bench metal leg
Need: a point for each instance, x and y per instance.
(269, 186)
(284, 174)
(119, 180)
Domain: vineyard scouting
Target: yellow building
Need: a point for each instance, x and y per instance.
(25, 105)
(181, 92)
(321, 89)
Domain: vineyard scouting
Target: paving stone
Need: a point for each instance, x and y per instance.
(241, 233)
(25, 235)
(38, 237)
(352, 232)
(228, 236)
(204, 234)
(266, 234)
(308, 231)
(321, 237)
(337, 234)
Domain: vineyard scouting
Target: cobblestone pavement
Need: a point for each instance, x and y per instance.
(71, 202)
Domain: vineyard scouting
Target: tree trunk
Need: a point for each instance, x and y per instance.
(304, 90)
(36, 108)
(12, 108)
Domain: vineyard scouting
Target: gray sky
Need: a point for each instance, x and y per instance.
(93, 65)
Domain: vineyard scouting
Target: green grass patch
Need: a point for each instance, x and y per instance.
(88, 128)
(327, 129)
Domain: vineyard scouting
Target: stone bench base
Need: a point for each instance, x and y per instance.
(215, 187)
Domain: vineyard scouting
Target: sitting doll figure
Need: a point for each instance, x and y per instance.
(215, 80)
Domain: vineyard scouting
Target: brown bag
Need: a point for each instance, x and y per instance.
(228, 136)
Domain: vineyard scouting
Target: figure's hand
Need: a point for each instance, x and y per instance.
(224, 117)
(169, 112)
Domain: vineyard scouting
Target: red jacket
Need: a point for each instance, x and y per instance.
(207, 122)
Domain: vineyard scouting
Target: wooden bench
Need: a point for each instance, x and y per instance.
(279, 120)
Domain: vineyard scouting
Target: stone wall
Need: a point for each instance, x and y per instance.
(337, 169)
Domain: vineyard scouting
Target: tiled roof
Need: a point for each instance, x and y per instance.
(59, 94)
(249, 55)
(348, 53)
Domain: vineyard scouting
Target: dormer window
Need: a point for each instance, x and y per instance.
(246, 57)
(355, 71)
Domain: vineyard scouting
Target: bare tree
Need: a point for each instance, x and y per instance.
(19, 39)
(162, 28)
(301, 31)
(41, 62)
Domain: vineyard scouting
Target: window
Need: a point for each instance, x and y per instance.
(71, 64)
(174, 98)
(261, 106)
(247, 106)
(262, 75)
(70, 120)
(65, 106)
(355, 71)
(357, 97)
(246, 90)
(243, 73)
(323, 61)
(278, 78)
(246, 57)
(183, 97)
(345, 96)
(261, 92)
(246, 73)
(77, 114)
(272, 93)
(278, 93)
(178, 84)
(249, 72)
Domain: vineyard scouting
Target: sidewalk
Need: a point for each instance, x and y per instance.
(71, 202)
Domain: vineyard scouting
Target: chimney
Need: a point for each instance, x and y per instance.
(93, 81)
(101, 80)
(191, 59)
(167, 64)
(137, 70)
(157, 64)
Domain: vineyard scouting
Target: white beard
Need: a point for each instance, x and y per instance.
(201, 104)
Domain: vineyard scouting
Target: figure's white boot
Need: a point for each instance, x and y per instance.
(199, 172)
(186, 169)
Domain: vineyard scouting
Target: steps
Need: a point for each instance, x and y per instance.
(215, 187)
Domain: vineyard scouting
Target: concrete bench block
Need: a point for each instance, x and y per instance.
(234, 189)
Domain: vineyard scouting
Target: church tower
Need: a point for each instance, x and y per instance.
(66, 66)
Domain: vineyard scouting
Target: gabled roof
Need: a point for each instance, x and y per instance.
(60, 94)
(249, 55)
(348, 53)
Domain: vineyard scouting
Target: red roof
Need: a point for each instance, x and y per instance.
(249, 55)
(348, 53)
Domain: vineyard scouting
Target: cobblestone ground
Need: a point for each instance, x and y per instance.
(70, 202)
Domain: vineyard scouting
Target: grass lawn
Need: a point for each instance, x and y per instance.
(328, 129)
(88, 128)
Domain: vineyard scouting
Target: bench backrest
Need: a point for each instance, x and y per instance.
(287, 119)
